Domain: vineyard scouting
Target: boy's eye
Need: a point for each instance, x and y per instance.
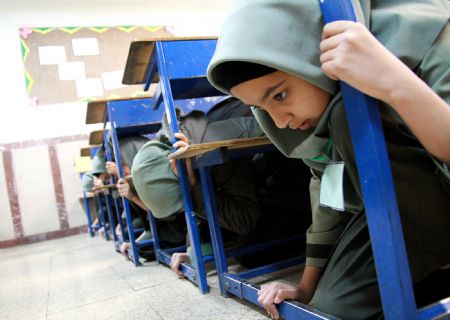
(280, 96)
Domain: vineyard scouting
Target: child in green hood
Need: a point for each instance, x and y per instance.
(240, 185)
(279, 57)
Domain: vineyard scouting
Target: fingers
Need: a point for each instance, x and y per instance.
(175, 262)
(285, 294)
(181, 137)
(333, 28)
(266, 298)
(180, 144)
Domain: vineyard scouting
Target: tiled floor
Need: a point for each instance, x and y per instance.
(84, 278)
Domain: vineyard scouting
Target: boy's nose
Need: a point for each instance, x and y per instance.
(280, 118)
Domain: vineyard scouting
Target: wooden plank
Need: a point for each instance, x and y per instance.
(96, 137)
(201, 148)
(96, 110)
(103, 188)
(139, 55)
(85, 152)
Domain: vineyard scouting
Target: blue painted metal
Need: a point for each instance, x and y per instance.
(155, 233)
(188, 79)
(94, 151)
(186, 269)
(270, 268)
(168, 98)
(134, 253)
(88, 214)
(373, 164)
(157, 98)
(439, 310)
(218, 249)
(102, 217)
(116, 206)
(239, 287)
(133, 116)
(109, 209)
(214, 226)
(108, 195)
(149, 72)
(88, 211)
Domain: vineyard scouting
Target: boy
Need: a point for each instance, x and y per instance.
(237, 195)
(288, 73)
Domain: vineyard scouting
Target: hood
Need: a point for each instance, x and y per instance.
(129, 147)
(154, 180)
(285, 35)
(99, 163)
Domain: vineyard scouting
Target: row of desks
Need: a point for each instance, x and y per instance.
(179, 68)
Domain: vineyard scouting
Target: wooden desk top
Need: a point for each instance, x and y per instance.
(139, 55)
(96, 137)
(102, 188)
(201, 148)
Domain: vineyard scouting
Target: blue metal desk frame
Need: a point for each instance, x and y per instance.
(93, 151)
(178, 80)
(183, 81)
(129, 117)
(381, 209)
(394, 277)
(88, 212)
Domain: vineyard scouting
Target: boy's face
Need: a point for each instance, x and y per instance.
(290, 101)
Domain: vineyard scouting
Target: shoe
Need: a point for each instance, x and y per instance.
(146, 235)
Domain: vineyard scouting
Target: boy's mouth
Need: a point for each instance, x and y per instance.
(305, 125)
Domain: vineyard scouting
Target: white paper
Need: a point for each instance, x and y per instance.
(112, 80)
(331, 186)
(71, 71)
(85, 47)
(91, 87)
(52, 55)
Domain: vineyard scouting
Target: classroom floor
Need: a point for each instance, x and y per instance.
(84, 278)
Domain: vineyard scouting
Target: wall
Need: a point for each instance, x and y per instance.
(39, 189)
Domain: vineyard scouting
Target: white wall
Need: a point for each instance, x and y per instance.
(19, 122)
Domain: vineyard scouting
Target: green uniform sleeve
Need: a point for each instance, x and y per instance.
(327, 225)
(237, 206)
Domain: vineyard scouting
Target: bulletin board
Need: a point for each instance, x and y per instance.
(79, 64)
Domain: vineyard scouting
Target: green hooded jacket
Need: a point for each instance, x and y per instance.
(285, 35)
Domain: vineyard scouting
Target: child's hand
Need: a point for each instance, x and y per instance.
(274, 293)
(177, 259)
(349, 52)
(124, 189)
(183, 142)
(111, 168)
(98, 182)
